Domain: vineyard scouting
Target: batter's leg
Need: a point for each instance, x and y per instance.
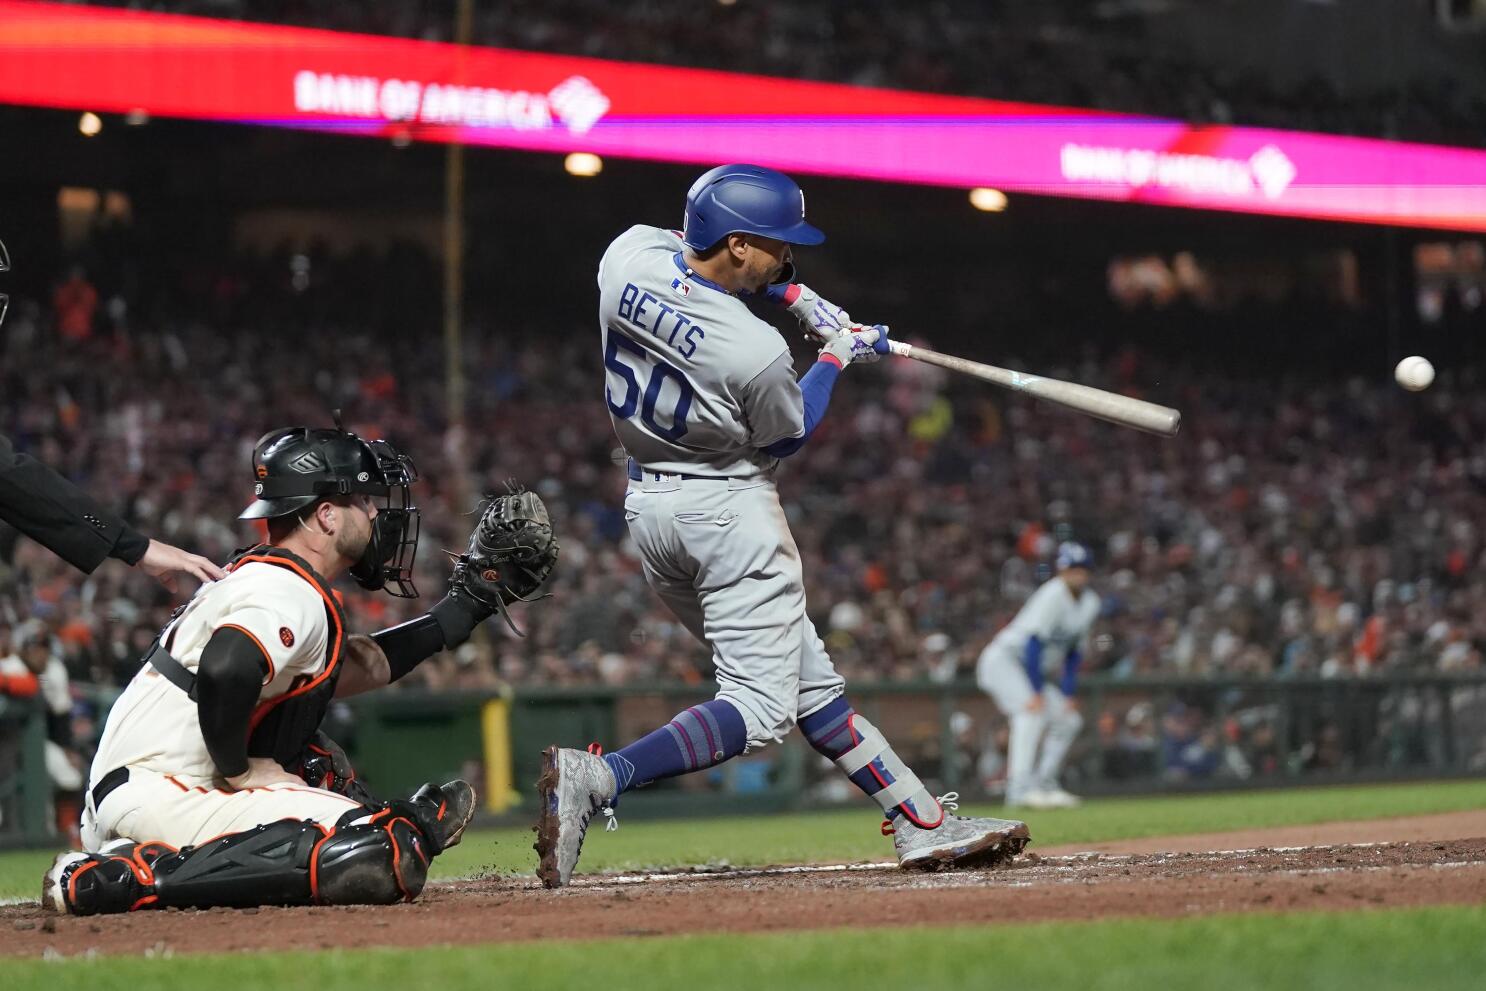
(925, 834)
(721, 559)
(833, 727)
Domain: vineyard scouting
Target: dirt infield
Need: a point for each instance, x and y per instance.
(1420, 861)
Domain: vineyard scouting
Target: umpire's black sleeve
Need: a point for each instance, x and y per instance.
(60, 516)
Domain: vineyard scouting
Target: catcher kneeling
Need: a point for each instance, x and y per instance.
(212, 785)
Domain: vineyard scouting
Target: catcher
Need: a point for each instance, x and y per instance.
(192, 799)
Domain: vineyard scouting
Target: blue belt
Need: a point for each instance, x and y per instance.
(635, 475)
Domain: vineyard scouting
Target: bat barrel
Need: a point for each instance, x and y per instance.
(1126, 411)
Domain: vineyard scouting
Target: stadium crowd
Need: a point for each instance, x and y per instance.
(1295, 528)
(1033, 52)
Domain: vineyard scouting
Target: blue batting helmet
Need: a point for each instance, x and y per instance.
(746, 199)
(1073, 555)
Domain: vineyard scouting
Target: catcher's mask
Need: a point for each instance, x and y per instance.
(4, 267)
(296, 467)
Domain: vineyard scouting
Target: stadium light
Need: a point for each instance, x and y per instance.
(987, 199)
(583, 163)
(89, 124)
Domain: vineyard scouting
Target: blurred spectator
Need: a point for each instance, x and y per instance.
(75, 303)
(1191, 750)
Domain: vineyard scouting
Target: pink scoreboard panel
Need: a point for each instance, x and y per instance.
(101, 59)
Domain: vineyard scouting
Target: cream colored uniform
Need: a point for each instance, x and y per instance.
(174, 794)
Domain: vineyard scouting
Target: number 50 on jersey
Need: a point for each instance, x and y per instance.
(627, 363)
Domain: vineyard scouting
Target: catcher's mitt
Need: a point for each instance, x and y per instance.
(511, 553)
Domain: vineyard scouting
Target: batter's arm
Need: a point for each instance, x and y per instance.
(815, 393)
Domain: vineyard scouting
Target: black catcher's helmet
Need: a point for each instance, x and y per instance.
(296, 467)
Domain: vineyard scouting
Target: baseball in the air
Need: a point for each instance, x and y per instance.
(1414, 373)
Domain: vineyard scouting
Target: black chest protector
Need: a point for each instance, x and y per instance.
(282, 726)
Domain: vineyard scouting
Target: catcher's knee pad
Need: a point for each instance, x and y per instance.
(372, 860)
(875, 767)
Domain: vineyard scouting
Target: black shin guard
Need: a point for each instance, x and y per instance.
(374, 856)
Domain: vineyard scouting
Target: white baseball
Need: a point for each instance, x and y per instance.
(1414, 373)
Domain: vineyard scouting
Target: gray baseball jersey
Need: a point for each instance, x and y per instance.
(694, 382)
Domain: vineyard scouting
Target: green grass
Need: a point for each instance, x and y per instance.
(1434, 948)
(851, 834)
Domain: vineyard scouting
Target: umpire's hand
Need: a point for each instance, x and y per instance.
(162, 562)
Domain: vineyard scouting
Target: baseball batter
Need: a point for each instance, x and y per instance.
(201, 791)
(1048, 637)
(703, 395)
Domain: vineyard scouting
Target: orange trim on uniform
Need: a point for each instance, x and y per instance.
(146, 900)
(72, 881)
(266, 656)
(315, 863)
(396, 857)
(145, 872)
(338, 633)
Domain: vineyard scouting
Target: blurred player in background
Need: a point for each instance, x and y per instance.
(1048, 635)
(703, 395)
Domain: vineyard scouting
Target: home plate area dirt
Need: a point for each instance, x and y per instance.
(1340, 866)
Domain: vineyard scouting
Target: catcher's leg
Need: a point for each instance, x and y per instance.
(370, 856)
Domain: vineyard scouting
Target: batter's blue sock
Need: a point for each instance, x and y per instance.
(702, 736)
(828, 730)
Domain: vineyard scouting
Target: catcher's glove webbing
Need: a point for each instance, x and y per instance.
(510, 555)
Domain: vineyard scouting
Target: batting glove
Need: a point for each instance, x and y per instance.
(858, 343)
(820, 317)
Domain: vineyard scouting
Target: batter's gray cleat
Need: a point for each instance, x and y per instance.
(574, 785)
(957, 841)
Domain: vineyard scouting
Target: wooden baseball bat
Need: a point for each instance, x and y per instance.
(1111, 406)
